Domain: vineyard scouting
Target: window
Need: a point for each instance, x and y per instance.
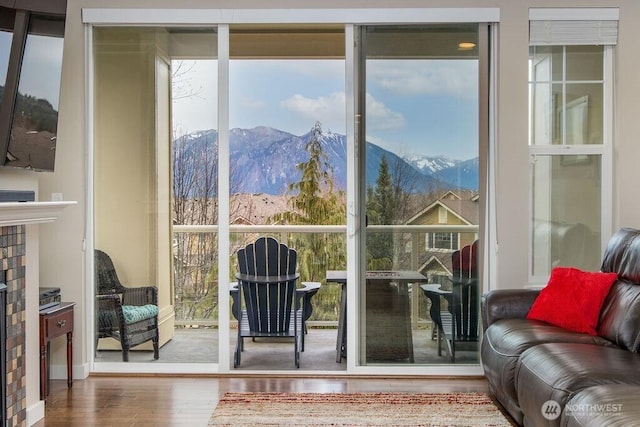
(31, 44)
(569, 138)
(247, 52)
(447, 241)
(7, 18)
(442, 215)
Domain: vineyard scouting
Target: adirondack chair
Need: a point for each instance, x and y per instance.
(458, 322)
(270, 300)
(465, 292)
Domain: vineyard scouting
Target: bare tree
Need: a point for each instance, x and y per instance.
(182, 80)
(195, 193)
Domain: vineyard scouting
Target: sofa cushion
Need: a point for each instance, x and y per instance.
(555, 372)
(506, 339)
(572, 299)
(612, 405)
(620, 316)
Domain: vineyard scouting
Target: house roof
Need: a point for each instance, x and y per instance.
(256, 208)
(465, 209)
(461, 203)
(441, 258)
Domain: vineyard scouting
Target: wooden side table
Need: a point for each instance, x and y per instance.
(54, 322)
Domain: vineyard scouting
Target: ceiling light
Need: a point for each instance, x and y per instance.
(466, 45)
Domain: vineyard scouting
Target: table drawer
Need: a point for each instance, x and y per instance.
(59, 323)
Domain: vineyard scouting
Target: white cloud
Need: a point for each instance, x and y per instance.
(42, 57)
(314, 108)
(434, 77)
(330, 110)
(379, 116)
(254, 104)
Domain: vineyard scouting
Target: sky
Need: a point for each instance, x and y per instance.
(43, 56)
(426, 107)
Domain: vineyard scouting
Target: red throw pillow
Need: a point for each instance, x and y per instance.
(572, 299)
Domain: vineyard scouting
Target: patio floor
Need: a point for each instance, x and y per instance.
(200, 345)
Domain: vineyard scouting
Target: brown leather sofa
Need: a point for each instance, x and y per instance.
(545, 375)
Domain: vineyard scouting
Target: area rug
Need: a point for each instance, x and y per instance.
(357, 409)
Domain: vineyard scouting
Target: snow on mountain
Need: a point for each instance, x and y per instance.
(264, 160)
(430, 165)
(458, 173)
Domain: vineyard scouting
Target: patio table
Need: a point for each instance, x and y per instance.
(400, 277)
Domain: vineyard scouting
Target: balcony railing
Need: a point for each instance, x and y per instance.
(195, 263)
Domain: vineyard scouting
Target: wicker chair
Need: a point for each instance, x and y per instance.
(130, 315)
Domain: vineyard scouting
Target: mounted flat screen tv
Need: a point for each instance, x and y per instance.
(31, 44)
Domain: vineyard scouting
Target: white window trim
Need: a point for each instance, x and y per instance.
(347, 17)
(574, 14)
(108, 16)
(605, 150)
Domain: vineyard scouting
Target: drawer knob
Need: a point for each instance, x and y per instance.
(61, 323)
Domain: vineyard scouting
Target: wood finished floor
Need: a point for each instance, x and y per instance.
(190, 401)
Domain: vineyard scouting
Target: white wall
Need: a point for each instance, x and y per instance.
(61, 243)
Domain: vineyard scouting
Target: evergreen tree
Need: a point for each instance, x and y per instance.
(316, 201)
(381, 210)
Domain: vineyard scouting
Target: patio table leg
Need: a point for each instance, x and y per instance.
(341, 342)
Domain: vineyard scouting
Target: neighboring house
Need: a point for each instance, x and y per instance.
(257, 208)
(451, 207)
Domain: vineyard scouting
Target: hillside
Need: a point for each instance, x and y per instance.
(263, 160)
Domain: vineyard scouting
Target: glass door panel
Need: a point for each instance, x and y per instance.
(194, 118)
(287, 180)
(152, 183)
(421, 133)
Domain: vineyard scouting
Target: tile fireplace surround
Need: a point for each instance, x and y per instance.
(12, 245)
(13, 219)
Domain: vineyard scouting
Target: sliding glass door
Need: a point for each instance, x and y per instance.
(362, 147)
(287, 170)
(421, 194)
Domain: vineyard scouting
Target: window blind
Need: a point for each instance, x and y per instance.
(552, 32)
(573, 26)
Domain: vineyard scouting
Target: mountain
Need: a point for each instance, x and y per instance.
(429, 165)
(264, 160)
(458, 173)
(465, 174)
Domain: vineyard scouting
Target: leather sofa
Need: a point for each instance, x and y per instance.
(546, 375)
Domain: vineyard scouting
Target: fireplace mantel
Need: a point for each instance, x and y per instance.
(17, 213)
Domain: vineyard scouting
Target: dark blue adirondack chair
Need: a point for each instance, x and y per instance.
(458, 323)
(267, 281)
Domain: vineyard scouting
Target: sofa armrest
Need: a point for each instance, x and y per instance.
(506, 304)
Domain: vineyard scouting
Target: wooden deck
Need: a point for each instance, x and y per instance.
(201, 346)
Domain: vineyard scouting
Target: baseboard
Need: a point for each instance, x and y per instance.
(35, 413)
(59, 372)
